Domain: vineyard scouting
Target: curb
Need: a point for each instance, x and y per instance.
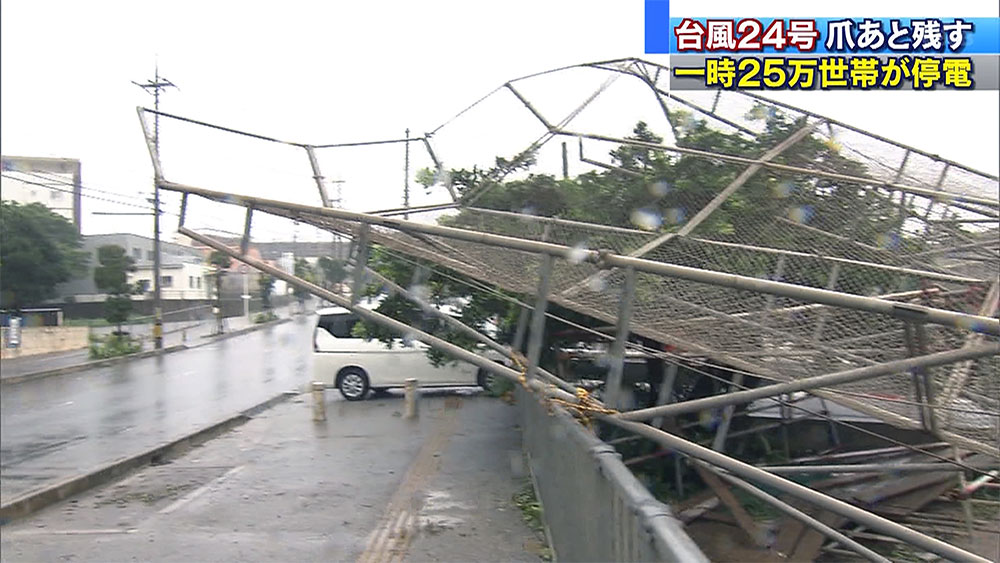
(138, 356)
(87, 365)
(34, 501)
(215, 338)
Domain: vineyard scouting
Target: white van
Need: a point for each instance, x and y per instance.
(356, 366)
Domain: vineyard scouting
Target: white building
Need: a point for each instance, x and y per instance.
(179, 280)
(183, 272)
(53, 182)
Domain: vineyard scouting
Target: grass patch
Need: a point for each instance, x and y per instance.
(533, 515)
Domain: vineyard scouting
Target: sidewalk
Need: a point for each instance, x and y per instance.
(365, 485)
(188, 334)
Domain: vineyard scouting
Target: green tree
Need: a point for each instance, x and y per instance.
(333, 270)
(266, 284)
(221, 262)
(38, 250)
(111, 277)
(304, 270)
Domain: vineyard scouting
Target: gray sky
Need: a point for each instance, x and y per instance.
(324, 72)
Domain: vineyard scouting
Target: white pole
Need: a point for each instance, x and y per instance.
(246, 294)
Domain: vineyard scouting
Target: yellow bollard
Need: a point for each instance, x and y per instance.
(410, 397)
(319, 401)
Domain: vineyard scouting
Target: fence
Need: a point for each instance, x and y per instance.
(596, 510)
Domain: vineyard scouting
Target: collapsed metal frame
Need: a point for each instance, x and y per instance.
(630, 264)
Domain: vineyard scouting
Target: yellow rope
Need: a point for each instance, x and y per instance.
(585, 404)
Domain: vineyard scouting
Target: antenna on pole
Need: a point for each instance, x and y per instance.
(154, 87)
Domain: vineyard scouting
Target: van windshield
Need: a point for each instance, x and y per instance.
(339, 326)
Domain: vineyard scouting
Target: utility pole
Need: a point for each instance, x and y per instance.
(406, 180)
(154, 87)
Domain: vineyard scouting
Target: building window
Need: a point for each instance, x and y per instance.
(199, 282)
(190, 282)
(137, 253)
(56, 194)
(149, 255)
(144, 285)
(166, 281)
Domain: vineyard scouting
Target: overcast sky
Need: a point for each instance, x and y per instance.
(324, 72)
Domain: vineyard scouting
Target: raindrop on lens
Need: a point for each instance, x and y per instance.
(800, 214)
(646, 218)
(597, 284)
(676, 215)
(659, 189)
(783, 189)
(578, 253)
(421, 293)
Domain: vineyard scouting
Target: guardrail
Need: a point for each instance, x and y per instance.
(595, 509)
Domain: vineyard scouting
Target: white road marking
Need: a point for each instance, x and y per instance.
(200, 490)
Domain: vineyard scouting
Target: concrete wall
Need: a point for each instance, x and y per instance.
(45, 339)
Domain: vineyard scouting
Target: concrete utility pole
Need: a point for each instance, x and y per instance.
(406, 174)
(155, 86)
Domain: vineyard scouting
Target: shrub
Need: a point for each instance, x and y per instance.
(264, 317)
(113, 345)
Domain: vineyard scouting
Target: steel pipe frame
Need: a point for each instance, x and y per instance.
(317, 176)
(734, 466)
(859, 180)
(859, 468)
(782, 252)
(806, 384)
(887, 416)
(613, 386)
(454, 351)
(361, 264)
(538, 316)
(464, 328)
(746, 471)
(820, 296)
(723, 195)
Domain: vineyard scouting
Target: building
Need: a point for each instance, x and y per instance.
(183, 270)
(53, 182)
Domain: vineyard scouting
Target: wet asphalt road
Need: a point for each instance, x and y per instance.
(56, 427)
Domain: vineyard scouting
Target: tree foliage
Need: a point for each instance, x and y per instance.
(648, 183)
(38, 250)
(266, 284)
(333, 270)
(221, 262)
(304, 270)
(111, 277)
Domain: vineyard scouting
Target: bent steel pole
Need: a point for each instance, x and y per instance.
(601, 258)
(862, 468)
(805, 384)
(791, 488)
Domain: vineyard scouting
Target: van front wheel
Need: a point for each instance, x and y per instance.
(353, 384)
